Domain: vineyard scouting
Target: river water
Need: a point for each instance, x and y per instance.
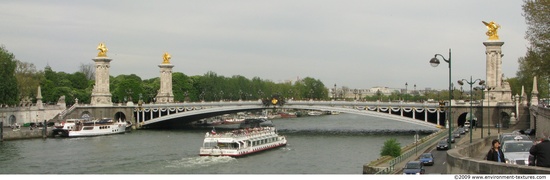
(331, 144)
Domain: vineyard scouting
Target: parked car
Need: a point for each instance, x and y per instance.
(414, 167)
(442, 145)
(427, 159)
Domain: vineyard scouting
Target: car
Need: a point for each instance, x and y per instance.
(442, 145)
(517, 151)
(452, 139)
(456, 134)
(529, 132)
(501, 135)
(414, 167)
(461, 131)
(427, 159)
(516, 137)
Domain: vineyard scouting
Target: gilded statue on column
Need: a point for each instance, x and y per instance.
(102, 50)
(492, 28)
(166, 58)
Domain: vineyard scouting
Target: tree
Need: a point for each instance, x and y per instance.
(9, 93)
(88, 70)
(537, 59)
(391, 148)
(28, 79)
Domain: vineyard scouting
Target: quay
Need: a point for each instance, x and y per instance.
(8, 134)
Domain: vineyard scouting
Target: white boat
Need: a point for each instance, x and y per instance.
(241, 142)
(84, 128)
(314, 113)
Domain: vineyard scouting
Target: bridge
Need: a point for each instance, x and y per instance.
(426, 114)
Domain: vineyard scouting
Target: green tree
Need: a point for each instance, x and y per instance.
(28, 79)
(125, 88)
(536, 61)
(391, 148)
(181, 86)
(9, 93)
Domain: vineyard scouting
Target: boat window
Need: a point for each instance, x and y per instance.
(209, 144)
(88, 128)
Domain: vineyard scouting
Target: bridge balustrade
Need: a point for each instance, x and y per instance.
(162, 112)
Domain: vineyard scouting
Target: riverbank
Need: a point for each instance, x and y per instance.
(9, 134)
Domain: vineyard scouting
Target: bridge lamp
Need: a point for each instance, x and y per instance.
(435, 62)
(471, 82)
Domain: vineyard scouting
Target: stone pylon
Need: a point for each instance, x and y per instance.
(500, 88)
(524, 96)
(165, 94)
(101, 94)
(39, 103)
(535, 93)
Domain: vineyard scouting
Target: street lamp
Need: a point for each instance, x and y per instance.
(482, 88)
(471, 82)
(334, 92)
(406, 89)
(435, 62)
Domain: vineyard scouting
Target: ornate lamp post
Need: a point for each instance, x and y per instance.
(406, 89)
(201, 96)
(471, 82)
(240, 95)
(334, 92)
(435, 62)
(260, 94)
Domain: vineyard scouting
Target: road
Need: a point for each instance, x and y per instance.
(440, 156)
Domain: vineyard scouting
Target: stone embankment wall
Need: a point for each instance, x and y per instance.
(24, 133)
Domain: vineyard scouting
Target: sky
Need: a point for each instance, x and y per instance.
(353, 43)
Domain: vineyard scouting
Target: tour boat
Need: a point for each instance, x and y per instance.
(241, 142)
(84, 128)
(314, 113)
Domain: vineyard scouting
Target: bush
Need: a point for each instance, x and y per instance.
(391, 148)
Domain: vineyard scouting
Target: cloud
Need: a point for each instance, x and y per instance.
(359, 44)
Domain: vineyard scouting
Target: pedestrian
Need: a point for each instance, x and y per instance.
(495, 153)
(541, 153)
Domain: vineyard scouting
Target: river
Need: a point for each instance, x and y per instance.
(330, 144)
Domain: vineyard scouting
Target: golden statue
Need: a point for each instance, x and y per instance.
(102, 50)
(166, 57)
(492, 28)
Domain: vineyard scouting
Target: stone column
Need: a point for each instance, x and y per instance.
(535, 93)
(165, 94)
(100, 93)
(39, 103)
(493, 55)
(501, 91)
